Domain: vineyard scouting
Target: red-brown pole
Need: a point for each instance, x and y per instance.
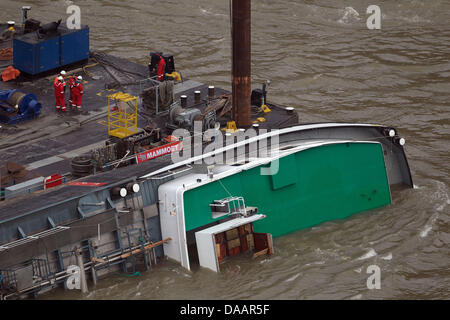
(241, 44)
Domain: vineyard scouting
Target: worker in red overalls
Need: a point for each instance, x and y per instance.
(161, 68)
(55, 84)
(71, 85)
(157, 66)
(61, 74)
(59, 94)
(77, 92)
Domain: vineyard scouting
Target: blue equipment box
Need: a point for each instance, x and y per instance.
(34, 54)
(74, 46)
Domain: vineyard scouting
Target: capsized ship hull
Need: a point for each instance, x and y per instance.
(306, 182)
(326, 171)
(184, 210)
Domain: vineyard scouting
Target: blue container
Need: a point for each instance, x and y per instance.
(34, 55)
(74, 46)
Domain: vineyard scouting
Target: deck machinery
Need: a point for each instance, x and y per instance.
(17, 106)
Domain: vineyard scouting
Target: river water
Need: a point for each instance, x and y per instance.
(322, 59)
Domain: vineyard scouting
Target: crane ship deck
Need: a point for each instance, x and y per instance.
(169, 189)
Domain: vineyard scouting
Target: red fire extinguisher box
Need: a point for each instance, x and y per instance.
(53, 181)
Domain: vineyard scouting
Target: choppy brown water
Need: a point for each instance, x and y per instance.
(331, 67)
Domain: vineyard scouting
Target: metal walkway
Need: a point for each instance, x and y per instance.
(33, 237)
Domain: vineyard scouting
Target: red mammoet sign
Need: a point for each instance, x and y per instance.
(158, 152)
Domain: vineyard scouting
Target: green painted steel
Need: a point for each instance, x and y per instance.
(312, 186)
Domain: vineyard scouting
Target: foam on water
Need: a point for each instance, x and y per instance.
(429, 226)
(387, 257)
(350, 15)
(370, 254)
(293, 277)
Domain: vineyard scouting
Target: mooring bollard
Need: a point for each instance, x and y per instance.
(211, 94)
(183, 99)
(197, 97)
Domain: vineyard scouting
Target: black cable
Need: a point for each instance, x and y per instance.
(103, 60)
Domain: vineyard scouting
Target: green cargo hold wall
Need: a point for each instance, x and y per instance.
(312, 186)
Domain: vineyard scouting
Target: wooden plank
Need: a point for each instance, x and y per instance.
(269, 244)
(94, 259)
(260, 253)
(232, 234)
(148, 247)
(244, 244)
(250, 241)
(233, 243)
(220, 237)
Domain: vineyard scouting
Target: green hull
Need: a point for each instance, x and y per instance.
(312, 186)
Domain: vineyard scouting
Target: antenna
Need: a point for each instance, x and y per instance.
(25, 10)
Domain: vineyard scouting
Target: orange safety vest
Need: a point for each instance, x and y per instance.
(59, 88)
(63, 82)
(78, 88)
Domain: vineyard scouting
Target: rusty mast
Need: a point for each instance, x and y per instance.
(241, 69)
